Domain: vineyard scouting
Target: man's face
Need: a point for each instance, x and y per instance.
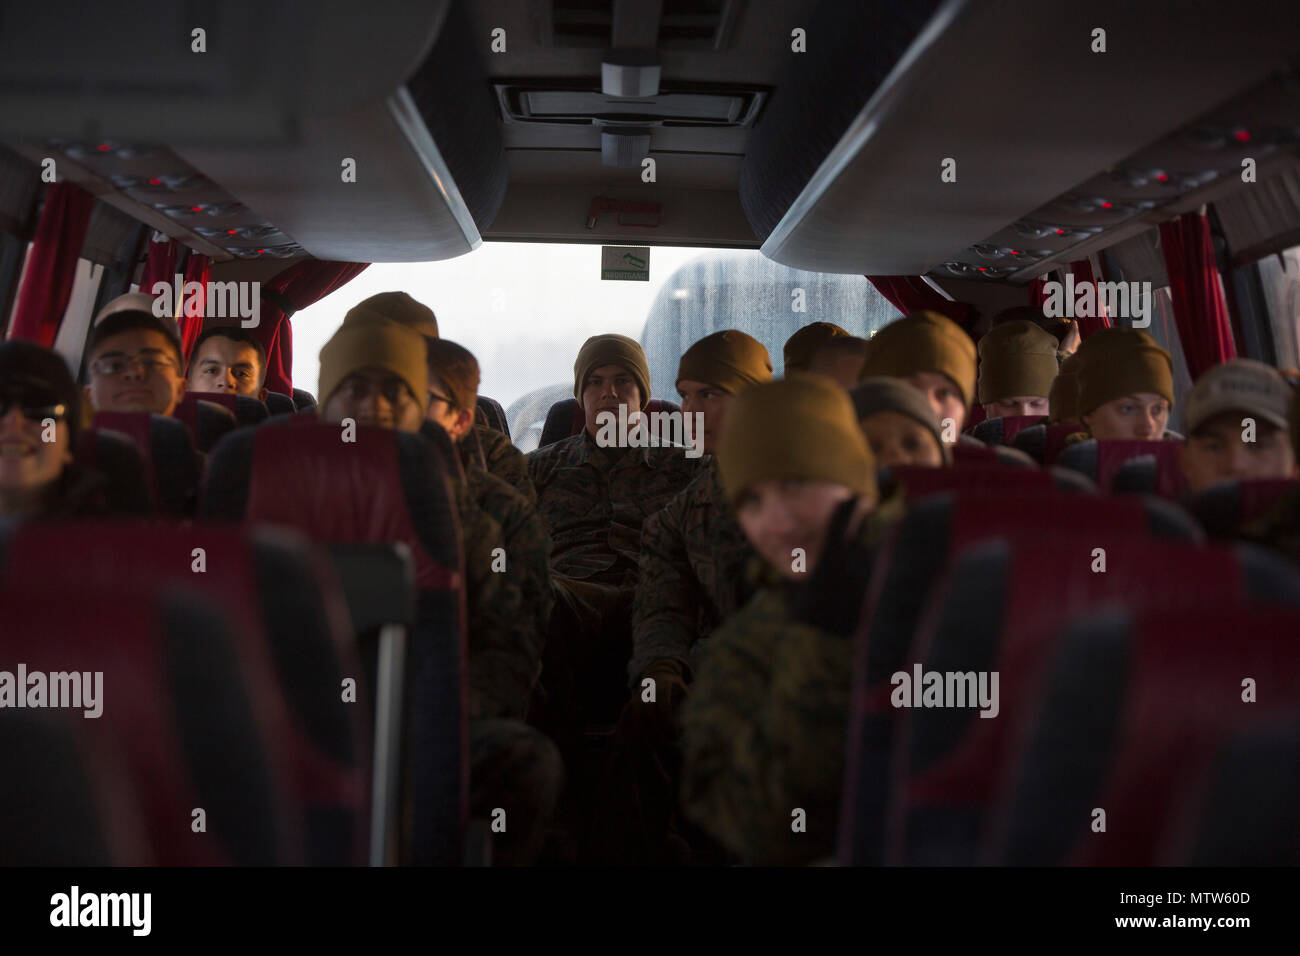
(135, 371)
(606, 388)
(1218, 451)
(779, 516)
(225, 365)
(712, 402)
(374, 397)
(28, 463)
(456, 422)
(897, 439)
(1016, 405)
(944, 395)
(1140, 417)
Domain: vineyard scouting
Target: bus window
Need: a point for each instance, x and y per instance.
(524, 309)
(1280, 277)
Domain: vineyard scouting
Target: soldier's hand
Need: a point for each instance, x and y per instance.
(670, 691)
(831, 599)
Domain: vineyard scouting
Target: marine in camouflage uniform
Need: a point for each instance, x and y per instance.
(693, 574)
(764, 726)
(504, 460)
(513, 767)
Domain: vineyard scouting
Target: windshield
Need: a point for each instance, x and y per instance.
(524, 309)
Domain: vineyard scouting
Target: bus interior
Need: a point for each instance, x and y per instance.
(283, 638)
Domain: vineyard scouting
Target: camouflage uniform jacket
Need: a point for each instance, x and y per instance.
(526, 561)
(765, 725)
(504, 460)
(692, 574)
(595, 499)
(501, 669)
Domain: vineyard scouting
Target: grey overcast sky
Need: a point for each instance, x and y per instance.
(523, 309)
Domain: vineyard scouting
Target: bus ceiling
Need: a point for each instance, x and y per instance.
(986, 142)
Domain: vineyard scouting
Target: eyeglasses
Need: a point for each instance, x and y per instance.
(434, 396)
(394, 390)
(33, 408)
(112, 365)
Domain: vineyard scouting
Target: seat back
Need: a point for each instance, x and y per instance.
(303, 400)
(1045, 442)
(207, 421)
(116, 457)
(999, 610)
(494, 416)
(382, 487)
(917, 482)
(1223, 508)
(1161, 692)
(1003, 431)
(247, 410)
(911, 562)
(277, 403)
(288, 628)
(167, 450)
(964, 454)
(1148, 467)
(180, 731)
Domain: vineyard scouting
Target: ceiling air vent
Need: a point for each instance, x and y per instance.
(717, 108)
(697, 24)
(582, 23)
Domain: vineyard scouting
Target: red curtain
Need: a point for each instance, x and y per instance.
(52, 264)
(1038, 292)
(295, 288)
(1088, 324)
(1199, 308)
(197, 269)
(911, 294)
(160, 263)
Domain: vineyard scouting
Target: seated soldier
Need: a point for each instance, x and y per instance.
(40, 418)
(1017, 366)
(1064, 331)
(693, 558)
(1279, 527)
(839, 358)
(373, 371)
(764, 727)
(799, 348)
(899, 424)
(933, 354)
(500, 456)
(593, 500)
(134, 361)
(1237, 426)
(230, 360)
(1126, 386)
(453, 394)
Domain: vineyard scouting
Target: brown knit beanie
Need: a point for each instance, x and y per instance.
(729, 360)
(923, 342)
(612, 349)
(802, 426)
(366, 341)
(1063, 399)
(799, 348)
(400, 308)
(1120, 361)
(1016, 358)
(874, 395)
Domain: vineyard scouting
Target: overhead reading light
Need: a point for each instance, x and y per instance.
(630, 72)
